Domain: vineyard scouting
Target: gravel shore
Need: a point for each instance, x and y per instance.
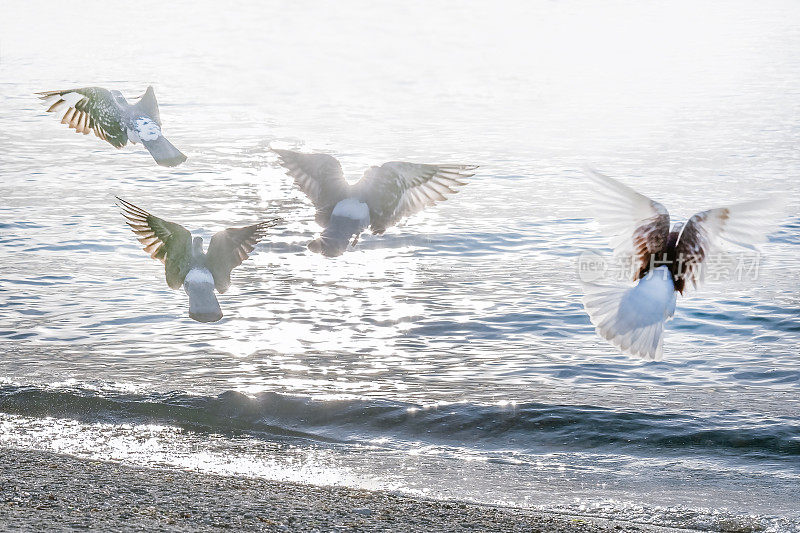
(41, 491)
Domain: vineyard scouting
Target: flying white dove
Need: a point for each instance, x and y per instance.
(109, 115)
(184, 261)
(382, 197)
(665, 260)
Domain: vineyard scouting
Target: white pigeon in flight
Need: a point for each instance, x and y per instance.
(185, 263)
(111, 118)
(665, 260)
(379, 200)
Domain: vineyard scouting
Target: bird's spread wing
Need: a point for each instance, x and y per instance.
(87, 110)
(636, 226)
(396, 189)
(168, 242)
(745, 225)
(320, 177)
(229, 247)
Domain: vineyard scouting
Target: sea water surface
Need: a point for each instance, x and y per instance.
(450, 357)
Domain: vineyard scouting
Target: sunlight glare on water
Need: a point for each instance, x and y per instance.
(472, 303)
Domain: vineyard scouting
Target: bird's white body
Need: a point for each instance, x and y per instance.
(144, 129)
(199, 275)
(203, 303)
(353, 209)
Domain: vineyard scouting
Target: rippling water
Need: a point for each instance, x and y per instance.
(451, 356)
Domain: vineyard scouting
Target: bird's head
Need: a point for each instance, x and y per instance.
(197, 246)
(674, 235)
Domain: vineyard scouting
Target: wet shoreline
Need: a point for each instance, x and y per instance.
(55, 492)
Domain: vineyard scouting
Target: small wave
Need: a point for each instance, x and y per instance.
(525, 427)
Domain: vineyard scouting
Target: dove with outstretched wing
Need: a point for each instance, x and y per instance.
(665, 258)
(185, 263)
(379, 200)
(111, 118)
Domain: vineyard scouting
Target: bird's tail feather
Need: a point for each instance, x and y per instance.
(164, 152)
(632, 318)
(203, 304)
(344, 224)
